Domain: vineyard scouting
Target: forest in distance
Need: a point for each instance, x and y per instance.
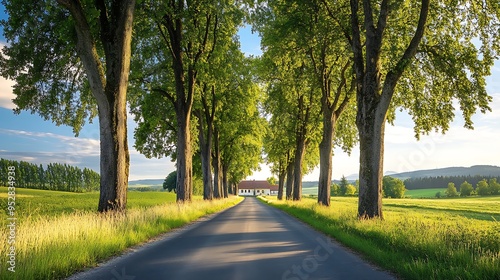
(332, 74)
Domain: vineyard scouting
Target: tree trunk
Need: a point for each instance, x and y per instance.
(184, 159)
(206, 156)
(371, 140)
(289, 180)
(218, 192)
(325, 157)
(225, 182)
(114, 158)
(297, 169)
(281, 183)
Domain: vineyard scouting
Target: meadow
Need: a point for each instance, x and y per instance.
(425, 193)
(418, 238)
(58, 234)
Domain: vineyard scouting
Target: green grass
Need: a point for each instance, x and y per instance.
(30, 202)
(418, 239)
(424, 193)
(54, 240)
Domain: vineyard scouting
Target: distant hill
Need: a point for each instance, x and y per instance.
(481, 170)
(150, 182)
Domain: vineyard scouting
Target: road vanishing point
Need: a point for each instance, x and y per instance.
(250, 241)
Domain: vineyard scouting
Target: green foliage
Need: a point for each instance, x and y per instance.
(466, 189)
(438, 195)
(350, 190)
(170, 182)
(41, 57)
(334, 190)
(55, 176)
(343, 185)
(393, 187)
(494, 186)
(197, 185)
(272, 180)
(451, 191)
(442, 181)
(482, 188)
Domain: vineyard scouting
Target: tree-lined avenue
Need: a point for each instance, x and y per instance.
(248, 241)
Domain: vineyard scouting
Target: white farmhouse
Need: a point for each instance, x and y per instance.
(254, 188)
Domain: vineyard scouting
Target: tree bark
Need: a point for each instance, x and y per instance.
(289, 180)
(110, 91)
(300, 150)
(281, 181)
(373, 100)
(371, 140)
(206, 155)
(325, 157)
(218, 191)
(184, 159)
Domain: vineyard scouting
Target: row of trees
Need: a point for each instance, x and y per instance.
(442, 181)
(188, 85)
(55, 176)
(328, 68)
(392, 188)
(333, 66)
(483, 187)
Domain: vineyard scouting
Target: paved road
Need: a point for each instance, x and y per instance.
(249, 241)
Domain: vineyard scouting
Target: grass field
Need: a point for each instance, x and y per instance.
(58, 234)
(41, 203)
(418, 238)
(424, 193)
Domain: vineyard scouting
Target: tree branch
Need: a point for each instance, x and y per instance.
(394, 74)
(166, 94)
(357, 48)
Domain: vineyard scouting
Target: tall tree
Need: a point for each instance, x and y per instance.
(65, 57)
(186, 34)
(399, 61)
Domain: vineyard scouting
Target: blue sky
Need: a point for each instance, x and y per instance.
(28, 137)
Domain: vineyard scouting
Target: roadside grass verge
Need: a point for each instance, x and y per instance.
(54, 247)
(413, 243)
(42, 203)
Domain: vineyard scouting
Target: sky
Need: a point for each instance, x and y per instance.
(30, 138)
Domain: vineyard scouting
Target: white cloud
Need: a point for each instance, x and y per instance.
(66, 144)
(6, 94)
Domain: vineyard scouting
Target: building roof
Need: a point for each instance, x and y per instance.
(252, 185)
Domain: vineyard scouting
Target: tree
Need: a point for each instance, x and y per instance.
(170, 182)
(494, 186)
(466, 189)
(65, 57)
(299, 35)
(482, 188)
(182, 43)
(343, 185)
(393, 187)
(335, 190)
(271, 180)
(350, 190)
(398, 61)
(451, 191)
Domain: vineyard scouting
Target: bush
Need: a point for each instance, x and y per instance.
(393, 187)
(451, 191)
(482, 188)
(466, 189)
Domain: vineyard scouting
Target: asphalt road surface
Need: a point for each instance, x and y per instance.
(249, 241)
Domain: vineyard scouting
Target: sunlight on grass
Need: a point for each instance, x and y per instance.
(445, 243)
(57, 246)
